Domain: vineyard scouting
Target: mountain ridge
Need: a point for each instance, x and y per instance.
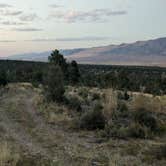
(150, 52)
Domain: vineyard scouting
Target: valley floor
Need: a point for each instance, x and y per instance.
(26, 138)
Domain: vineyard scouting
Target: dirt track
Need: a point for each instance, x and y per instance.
(26, 126)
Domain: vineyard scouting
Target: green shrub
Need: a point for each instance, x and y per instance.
(123, 96)
(34, 161)
(74, 103)
(122, 107)
(126, 96)
(161, 129)
(94, 119)
(145, 118)
(106, 132)
(161, 152)
(114, 131)
(83, 92)
(134, 130)
(35, 84)
(97, 106)
(138, 131)
(120, 95)
(95, 96)
(157, 152)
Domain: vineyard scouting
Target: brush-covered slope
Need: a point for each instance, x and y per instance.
(151, 52)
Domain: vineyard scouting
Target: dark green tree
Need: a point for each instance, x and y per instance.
(74, 73)
(57, 59)
(3, 78)
(54, 84)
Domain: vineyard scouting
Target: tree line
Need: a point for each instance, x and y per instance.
(133, 78)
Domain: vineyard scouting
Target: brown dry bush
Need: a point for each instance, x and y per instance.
(110, 103)
(7, 157)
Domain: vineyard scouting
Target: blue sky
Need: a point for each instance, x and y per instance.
(41, 25)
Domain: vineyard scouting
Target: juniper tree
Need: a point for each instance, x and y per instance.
(57, 59)
(3, 78)
(54, 84)
(74, 73)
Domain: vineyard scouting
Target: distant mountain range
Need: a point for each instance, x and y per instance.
(151, 52)
(42, 56)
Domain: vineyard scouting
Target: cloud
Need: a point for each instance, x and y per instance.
(55, 6)
(10, 13)
(97, 15)
(27, 29)
(90, 38)
(7, 41)
(3, 5)
(17, 18)
(29, 17)
(11, 23)
(42, 40)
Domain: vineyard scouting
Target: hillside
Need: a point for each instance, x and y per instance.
(35, 133)
(42, 56)
(151, 52)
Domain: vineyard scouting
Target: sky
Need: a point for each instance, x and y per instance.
(42, 25)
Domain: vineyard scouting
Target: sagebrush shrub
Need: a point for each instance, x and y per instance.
(161, 152)
(83, 92)
(95, 96)
(138, 131)
(145, 118)
(93, 119)
(123, 95)
(74, 103)
(122, 107)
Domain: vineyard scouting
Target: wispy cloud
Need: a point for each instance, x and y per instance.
(11, 23)
(3, 5)
(55, 6)
(28, 17)
(27, 29)
(16, 18)
(90, 38)
(10, 12)
(41, 40)
(97, 15)
(7, 41)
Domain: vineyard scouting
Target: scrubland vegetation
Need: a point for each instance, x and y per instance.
(64, 118)
(131, 78)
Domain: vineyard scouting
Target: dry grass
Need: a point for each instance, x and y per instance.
(149, 103)
(67, 146)
(7, 157)
(110, 103)
(54, 114)
(118, 160)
